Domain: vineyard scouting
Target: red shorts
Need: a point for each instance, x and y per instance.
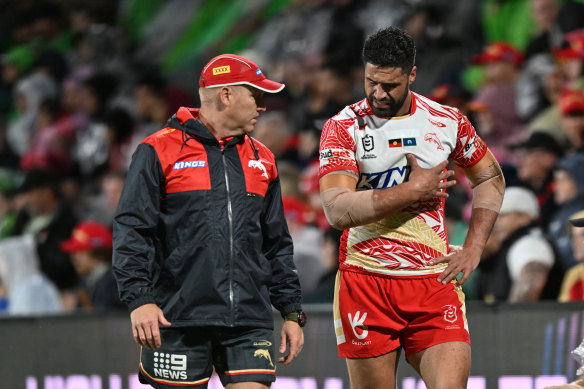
(376, 314)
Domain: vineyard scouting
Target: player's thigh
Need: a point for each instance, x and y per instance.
(443, 366)
(375, 372)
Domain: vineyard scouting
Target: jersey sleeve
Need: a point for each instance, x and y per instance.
(470, 148)
(337, 147)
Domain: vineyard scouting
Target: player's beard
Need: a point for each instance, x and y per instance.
(394, 105)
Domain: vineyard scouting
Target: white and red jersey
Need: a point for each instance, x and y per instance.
(375, 149)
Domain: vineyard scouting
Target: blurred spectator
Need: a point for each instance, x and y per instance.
(273, 130)
(25, 288)
(571, 104)
(567, 75)
(573, 284)
(452, 95)
(517, 270)
(329, 256)
(307, 241)
(497, 120)
(90, 247)
(50, 221)
(8, 208)
(91, 150)
(569, 195)
(119, 131)
(537, 155)
(53, 140)
(102, 206)
(29, 92)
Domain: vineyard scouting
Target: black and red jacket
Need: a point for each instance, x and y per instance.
(200, 229)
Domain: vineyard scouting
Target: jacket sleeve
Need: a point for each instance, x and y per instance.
(134, 228)
(277, 247)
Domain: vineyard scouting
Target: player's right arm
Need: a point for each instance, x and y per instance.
(344, 207)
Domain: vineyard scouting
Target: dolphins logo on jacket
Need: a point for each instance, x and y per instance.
(258, 165)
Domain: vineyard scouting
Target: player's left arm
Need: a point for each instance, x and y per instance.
(488, 186)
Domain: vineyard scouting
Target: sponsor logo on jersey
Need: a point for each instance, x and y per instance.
(258, 165)
(450, 313)
(437, 124)
(431, 137)
(172, 366)
(164, 132)
(385, 179)
(263, 353)
(188, 164)
(357, 322)
(395, 142)
(221, 70)
(409, 141)
(334, 156)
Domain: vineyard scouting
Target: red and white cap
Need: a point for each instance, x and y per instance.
(231, 69)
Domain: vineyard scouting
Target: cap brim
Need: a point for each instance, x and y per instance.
(577, 222)
(265, 85)
(71, 246)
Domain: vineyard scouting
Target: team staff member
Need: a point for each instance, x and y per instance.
(201, 245)
(383, 177)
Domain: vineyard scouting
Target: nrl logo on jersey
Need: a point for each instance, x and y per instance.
(368, 145)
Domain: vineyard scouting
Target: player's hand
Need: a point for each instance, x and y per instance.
(429, 183)
(459, 259)
(145, 329)
(293, 337)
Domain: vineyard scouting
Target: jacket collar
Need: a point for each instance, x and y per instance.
(187, 120)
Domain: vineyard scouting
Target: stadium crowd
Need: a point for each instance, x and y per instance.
(83, 82)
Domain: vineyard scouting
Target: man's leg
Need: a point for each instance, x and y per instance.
(443, 366)
(373, 373)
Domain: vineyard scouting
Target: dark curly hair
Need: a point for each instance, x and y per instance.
(390, 47)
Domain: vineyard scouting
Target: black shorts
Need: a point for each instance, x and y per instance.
(188, 355)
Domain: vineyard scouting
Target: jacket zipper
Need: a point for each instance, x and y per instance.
(230, 217)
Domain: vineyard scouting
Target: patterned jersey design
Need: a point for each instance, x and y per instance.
(375, 149)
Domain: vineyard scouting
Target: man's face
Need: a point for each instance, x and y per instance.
(387, 90)
(535, 164)
(573, 124)
(565, 188)
(247, 104)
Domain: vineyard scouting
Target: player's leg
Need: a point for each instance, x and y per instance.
(244, 358)
(373, 373)
(443, 366)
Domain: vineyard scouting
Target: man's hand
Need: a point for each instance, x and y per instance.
(459, 259)
(145, 321)
(293, 337)
(429, 183)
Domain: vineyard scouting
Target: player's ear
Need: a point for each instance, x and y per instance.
(412, 75)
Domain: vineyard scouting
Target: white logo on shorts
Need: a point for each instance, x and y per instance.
(450, 313)
(358, 322)
(171, 366)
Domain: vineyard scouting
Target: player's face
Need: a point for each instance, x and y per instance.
(388, 90)
(247, 106)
